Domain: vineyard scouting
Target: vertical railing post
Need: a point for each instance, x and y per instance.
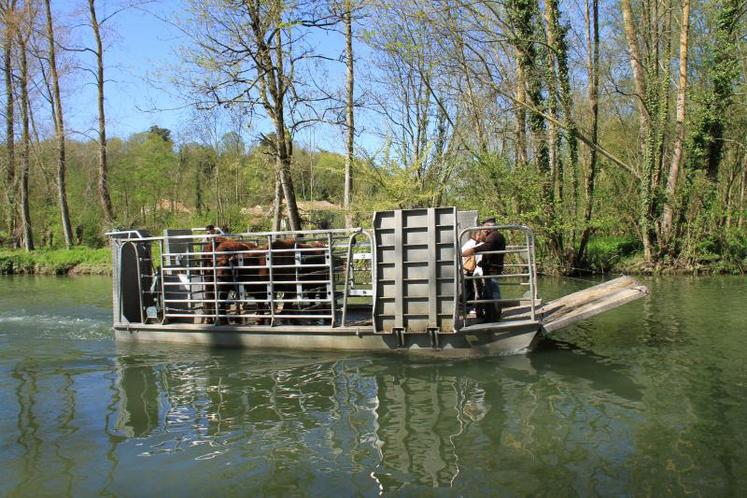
(117, 273)
(349, 273)
(189, 262)
(270, 284)
(298, 264)
(530, 266)
(163, 285)
(460, 276)
(374, 271)
(215, 282)
(331, 281)
(139, 281)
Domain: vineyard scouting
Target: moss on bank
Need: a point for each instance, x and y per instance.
(78, 260)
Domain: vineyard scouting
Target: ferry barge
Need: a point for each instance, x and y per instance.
(399, 286)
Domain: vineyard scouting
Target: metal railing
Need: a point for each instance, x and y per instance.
(308, 277)
(354, 286)
(521, 272)
(267, 278)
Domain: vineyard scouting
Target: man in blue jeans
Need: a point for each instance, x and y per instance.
(492, 265)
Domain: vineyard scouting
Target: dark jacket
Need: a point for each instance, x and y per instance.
(492, 264)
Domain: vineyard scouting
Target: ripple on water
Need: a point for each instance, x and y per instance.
(55, 326)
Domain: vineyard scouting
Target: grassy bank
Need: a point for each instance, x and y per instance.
(79, 260)
(625, 255)
(605, 255)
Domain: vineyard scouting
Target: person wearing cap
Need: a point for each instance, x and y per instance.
(492, 265)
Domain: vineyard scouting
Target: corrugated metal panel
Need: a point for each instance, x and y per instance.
(416, 270)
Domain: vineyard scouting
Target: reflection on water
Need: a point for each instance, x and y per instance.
(621, 405)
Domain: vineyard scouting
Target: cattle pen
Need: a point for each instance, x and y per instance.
(398, 286)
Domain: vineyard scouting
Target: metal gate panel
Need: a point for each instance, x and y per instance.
(416, 270)
(181, 284)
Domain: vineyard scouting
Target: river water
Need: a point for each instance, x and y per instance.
(650, 399)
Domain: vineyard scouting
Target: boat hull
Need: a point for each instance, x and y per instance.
(485, 343)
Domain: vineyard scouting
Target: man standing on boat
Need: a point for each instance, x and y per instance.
(494, 243)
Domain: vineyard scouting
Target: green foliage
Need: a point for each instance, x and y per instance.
(494, 187)
(56, 261)
(606, 253)
(714, 99)
(446, 80)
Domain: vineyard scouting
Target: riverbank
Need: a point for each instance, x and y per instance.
(622, 255)
(75, 261)
(605, 256)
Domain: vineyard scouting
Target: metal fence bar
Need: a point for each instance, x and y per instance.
(256, 235)
(186, 284)
(506, 300)
(533, 272)
(348, 269)
(243, 267)
(254, 315)
(331, 285)
(249, 301)
(271, 280)
(216, 297)
(129, 234)
(502, 275)
(163, 280)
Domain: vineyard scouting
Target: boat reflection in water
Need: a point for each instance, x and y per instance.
(139, 394)
(325, 424)
(196, 421)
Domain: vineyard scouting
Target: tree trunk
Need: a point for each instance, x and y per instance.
(10, 174)
(674, 167)
(521, 118)
(198, 187)
(724, 74)
(647, 93)
(28, 235)
(67, 230)
(592, 26)
(273, 88)
(553, 143)
(283, 163)
(281, 143)
(350, 116)
(636, 62)
(522, 16)
(103, 182)
(560, 48)
(216, 187)
(277, 204)
(742, 207)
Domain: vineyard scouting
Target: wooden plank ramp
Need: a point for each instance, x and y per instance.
(567, 310)
(586, 303)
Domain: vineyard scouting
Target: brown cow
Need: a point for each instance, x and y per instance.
(240, 254)
(288, 275)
